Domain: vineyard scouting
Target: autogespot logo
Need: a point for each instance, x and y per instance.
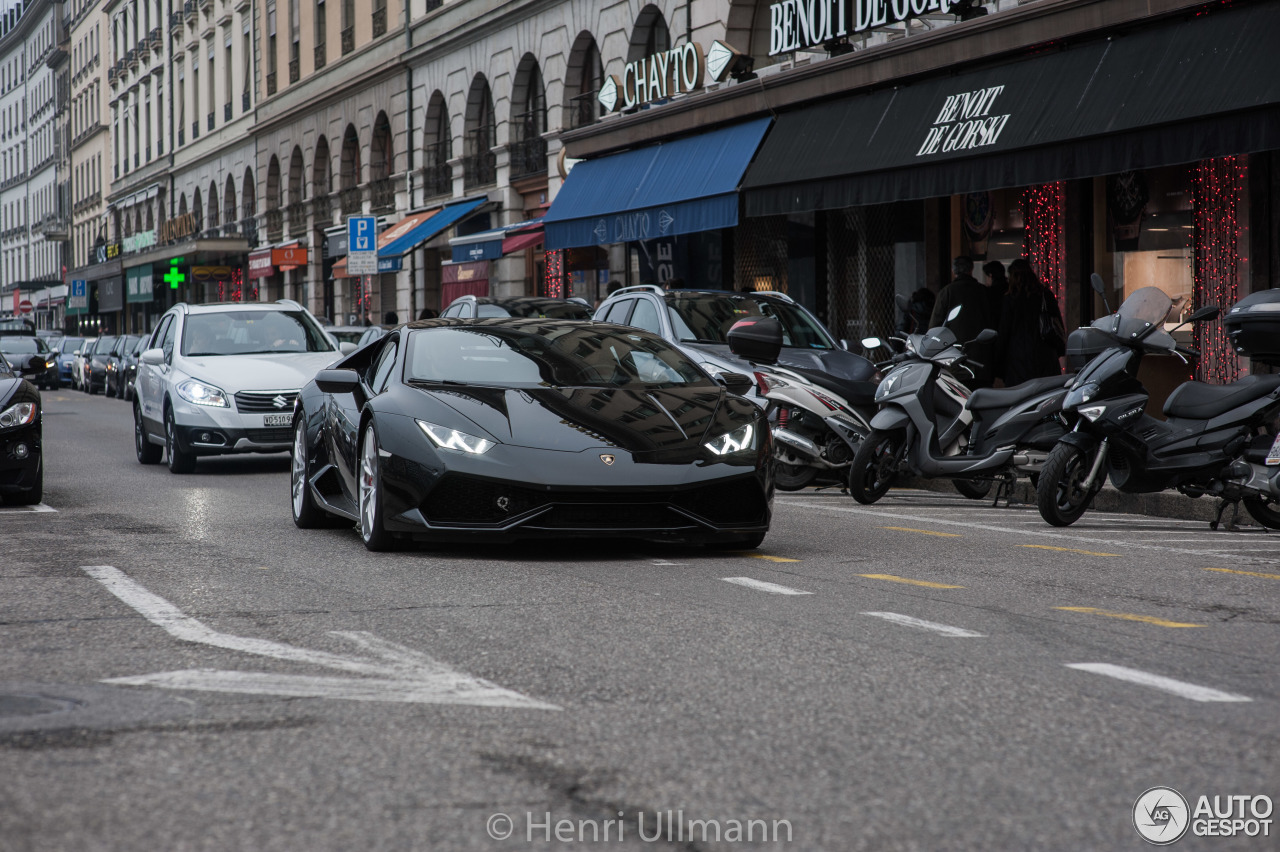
(1160, 815)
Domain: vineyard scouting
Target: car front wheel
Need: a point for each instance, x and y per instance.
(306, 514)
(179, 461)
(372, 532)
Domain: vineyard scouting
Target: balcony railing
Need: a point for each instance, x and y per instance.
(271, 83)
(275, 224)
(321, 58)
(350, 199)
(582, 109)
(131, 59)
(297, 212)
(529, 157)
(156, 39)
(379, 21)
(382, 195)
(210, 121)
(189, 11)
(434, 4)
(322, 210)
(143, 48)
(175, 20)
(295, 70)
(348, 40)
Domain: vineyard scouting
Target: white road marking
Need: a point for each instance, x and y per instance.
(1166, 684)
(920, 624)
(402, 673)
(994, 528)
(26, 510)
(762, 586)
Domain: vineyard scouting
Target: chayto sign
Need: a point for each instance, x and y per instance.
(653, 78)
(800, 24)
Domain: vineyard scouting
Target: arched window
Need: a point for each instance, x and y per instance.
(650, 35)
(479, 166)
(528, 121)
(349, 172)
(213, 207)
(437, 173)
(382, 159)
(229, 205)
(197, 210)
(249, 195)
(296, 210)
(321, 184)
(273, 215)
(584, 76)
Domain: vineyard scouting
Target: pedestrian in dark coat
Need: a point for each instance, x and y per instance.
(1025, 353)
(975, 315)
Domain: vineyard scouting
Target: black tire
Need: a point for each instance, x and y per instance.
(747, 542)
(147, 452)
(179, 461)
(306, 514)
(33, 495)
(1264, 510)
(1060, 495)
(875, 465)
(973, 489)
(369, 482)
(793, 477)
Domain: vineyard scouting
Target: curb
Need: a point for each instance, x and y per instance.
(1163, 504)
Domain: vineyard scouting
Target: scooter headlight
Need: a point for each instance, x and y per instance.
(1093, 412)
(1078, 396)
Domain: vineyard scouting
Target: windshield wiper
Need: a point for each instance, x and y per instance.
(438, 382)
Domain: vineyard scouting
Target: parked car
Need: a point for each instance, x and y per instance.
(66, 348)
(95, 368)
(499, 429)
(131, 366)
(468, 307)
(222, 378)
(347, 333)
(697, 321)
(21, 427)
(20, 349)
(115, 364)
(373, 332)
(80, 358)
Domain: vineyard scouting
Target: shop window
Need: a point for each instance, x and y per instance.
(1150, 232)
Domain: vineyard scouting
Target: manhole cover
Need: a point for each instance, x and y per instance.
(32, 705)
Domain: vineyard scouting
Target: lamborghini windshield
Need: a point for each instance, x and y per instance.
(577, 355)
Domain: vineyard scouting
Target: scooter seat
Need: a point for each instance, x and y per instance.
(855, 393)
(1200, 401)
(985, 399)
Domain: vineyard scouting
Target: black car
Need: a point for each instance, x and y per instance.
(95, 367)
(21, 426)
(21, 349)
(130, 365)
(468, 307)
(115, 364)
(499, 429)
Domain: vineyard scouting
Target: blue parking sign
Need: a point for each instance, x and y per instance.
(361, 232)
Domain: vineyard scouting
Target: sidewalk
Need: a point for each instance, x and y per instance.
(1164, 504)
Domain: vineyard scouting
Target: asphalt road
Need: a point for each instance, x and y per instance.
(279, 689)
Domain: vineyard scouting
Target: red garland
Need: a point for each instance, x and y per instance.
(1044, 218)
(553, 283)
(1218, 188)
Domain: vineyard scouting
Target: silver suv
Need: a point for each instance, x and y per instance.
(223, 378)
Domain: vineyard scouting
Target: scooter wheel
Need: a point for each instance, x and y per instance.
(1264, 510)
(793, 477)
(875, 465)
(1060, 494)
(973, 490)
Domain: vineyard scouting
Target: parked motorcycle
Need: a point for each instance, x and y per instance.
(818, 419)
(931, 425)
(1217, 440)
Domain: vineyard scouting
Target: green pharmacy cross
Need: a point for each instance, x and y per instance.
(174, 277)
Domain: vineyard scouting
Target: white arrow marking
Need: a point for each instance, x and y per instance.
(402, 674)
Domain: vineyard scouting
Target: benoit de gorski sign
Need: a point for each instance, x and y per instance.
(800, 24)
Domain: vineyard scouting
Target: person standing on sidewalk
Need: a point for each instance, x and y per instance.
(975, 315)
(1025, 350)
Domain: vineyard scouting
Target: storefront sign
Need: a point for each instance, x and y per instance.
(139, 284)
(140, 241)
(455, 273)
(109, 251)
(260, 265)
(110, 295)
(178, 227)
(289, 257)
(655, 77)
(211, 273)
(390, 264)
(965, 122)
(800, 24)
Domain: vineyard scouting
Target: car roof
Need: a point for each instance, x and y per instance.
(519, 324)
(223, 307)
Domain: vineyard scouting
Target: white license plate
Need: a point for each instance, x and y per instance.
(1273, 457)
(276, 419)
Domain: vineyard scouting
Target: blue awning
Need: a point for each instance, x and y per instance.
(428, 228)
(486, 245)
(678, 187)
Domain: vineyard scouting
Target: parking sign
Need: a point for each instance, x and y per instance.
(79, 297)
(362, 245)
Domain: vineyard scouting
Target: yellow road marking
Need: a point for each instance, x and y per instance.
(1067, 550)
(1127, 616)
(892, 579)
(1245, 573)
(924, 532)
(764, 556)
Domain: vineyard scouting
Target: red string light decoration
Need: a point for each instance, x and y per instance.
(1044, 216)
(237, 285)
(553, 285)
(1218, 188)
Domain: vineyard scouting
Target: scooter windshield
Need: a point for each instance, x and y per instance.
(935, 341)
(1142, 315)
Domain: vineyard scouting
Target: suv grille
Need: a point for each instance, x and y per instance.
(283, 435)
(268, 402)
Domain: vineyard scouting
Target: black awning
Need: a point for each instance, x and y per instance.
(1174, 93)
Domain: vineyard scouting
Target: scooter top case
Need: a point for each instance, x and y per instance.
(1253, 326)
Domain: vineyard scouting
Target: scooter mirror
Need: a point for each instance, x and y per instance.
(872, 343)
(1208, 312)
(955, 312)
(986, 335)
(1095, 280)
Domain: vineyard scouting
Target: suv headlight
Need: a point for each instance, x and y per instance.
(737, 441)
(452, 439)
(18, 415)
(198, 393)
